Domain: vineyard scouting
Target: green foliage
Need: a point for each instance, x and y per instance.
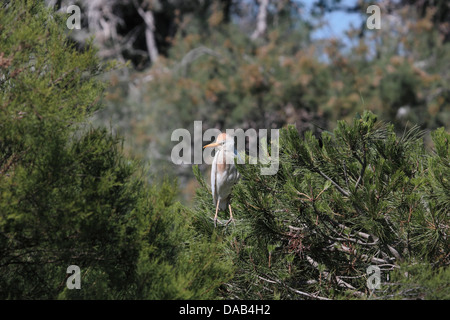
(358, 196)
(69, 195)
(417, 281)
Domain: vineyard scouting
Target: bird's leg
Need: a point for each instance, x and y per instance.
(217, 211)
(231, 215)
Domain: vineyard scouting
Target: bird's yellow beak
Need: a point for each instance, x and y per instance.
(215, 144)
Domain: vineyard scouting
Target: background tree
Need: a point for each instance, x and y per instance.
(69, 195)
(212, 67)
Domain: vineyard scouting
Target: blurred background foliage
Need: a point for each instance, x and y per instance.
(258, 64)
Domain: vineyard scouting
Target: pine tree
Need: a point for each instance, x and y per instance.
(359, 196)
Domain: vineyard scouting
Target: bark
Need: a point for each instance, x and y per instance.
(147, 16)
(261, 20)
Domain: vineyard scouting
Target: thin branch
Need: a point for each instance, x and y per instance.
(345, 175)
(340, 282)
(310, 295)
(363, 168)
(194, 54)
(345, 193)
(149, 20)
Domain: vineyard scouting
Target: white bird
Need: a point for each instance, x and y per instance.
(224, 173)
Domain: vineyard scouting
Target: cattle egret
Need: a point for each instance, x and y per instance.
(224, 173)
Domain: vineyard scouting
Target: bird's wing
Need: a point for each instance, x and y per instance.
(213, 181)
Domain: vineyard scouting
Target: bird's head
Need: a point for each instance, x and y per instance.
(221, 140)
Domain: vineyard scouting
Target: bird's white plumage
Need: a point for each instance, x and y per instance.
(223, 177)
(224, 174)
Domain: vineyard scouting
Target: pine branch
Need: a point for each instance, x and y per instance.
(345, 175)
(340, 282)
(310, 295)
(339, 188)
(363, 168)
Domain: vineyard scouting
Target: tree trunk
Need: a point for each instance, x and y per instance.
(147, 16)
(261, 20)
